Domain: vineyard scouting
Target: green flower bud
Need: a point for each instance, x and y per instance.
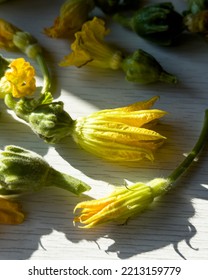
(141, 67)
(47, 119)
(158, 23)
(27, 44)
(50, 122)
(23, 171)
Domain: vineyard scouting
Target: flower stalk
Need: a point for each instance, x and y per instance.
(23, 171)
(126, 202)
(13, 38)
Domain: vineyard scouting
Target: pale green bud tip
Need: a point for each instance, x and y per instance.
(23, 171)
(27, 44)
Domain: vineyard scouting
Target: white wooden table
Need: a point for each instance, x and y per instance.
(177, 227)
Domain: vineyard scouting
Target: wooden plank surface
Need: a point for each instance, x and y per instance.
(177, 227)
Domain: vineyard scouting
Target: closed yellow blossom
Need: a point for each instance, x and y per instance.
(89, 47)
(120, 134)
(126, 202)
(7, 32)
(73, 13)
(121, 204)
(10, 212)
(21, 77)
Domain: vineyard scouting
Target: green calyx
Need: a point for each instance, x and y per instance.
(23, 171)
(47, 119)
(141, 67)
(158, 23)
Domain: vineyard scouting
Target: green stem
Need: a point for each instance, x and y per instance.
(124, 21)
(202, 140)
(45, 72)
(65, 181)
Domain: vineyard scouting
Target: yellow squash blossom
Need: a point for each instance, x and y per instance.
(19, 79)
(121, 204)
(73, 13)
(10, 212)
(90, 48)
(7, 32)
(120, 134)
(126, 202)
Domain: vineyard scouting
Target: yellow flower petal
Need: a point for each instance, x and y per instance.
(118, 135)
(10, 212)
(7, 31)
(21, 77)
(73, 13)
(89, 48)
(121, 204)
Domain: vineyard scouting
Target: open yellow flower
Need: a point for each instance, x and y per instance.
(73, 13)
(120, 134)
(10, 212)
(20, 77)
(7, 32)
(90, 48)
(121, 204)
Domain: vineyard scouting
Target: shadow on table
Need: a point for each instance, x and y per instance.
(166, 223)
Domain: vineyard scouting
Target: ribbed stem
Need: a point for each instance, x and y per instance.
(45, 72)
(202, 140)
(65, 181)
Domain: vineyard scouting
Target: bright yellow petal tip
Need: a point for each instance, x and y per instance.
(121, 134)
(120, 205)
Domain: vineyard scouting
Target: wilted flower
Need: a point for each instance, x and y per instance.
(126, 202)
(10, 212)
(120, 134)
(89, 48)
(7, 32)
(158, 23)
(23, 171)
(73, 13)
(19, 79)
(121, 204)
(197, 23)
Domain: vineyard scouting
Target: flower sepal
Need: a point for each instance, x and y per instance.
(143, 68)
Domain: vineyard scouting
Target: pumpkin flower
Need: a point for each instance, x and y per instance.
(73, 13)
(126, 202)
(11, 37)
(120, 134)
(89, 48)
(10, 212)
(19, 79)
